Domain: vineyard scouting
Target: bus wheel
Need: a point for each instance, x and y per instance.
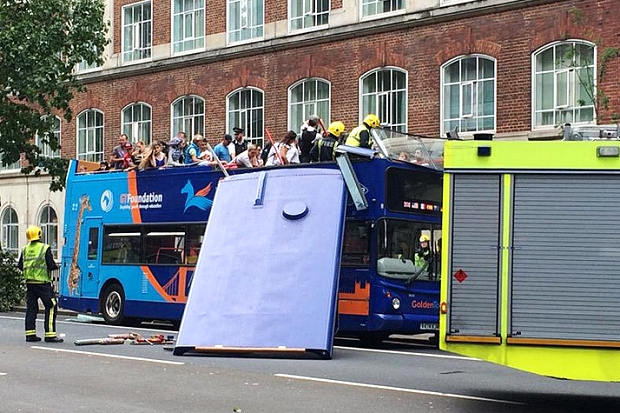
(113, 304)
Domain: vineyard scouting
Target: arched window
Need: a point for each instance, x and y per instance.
(308, 97)
(384, 93)
(46, 150)
(188, 115)
(48, 222)
(90, 135)
(468, 94)
(245, 110)
(564, 84)
(137, 122)
(10, 230)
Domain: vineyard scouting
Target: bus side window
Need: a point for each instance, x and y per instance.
(355, 249)
(93, 243)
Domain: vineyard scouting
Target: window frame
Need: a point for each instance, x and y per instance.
(363, 4)
(384, 98)
(48, 227)
(309, 107)
(245, 117)
(573, 86)
(10, 230)
(258, 27)
(45, 149)
(93, 155)
(476, 89)
(128, 55)
(132, 129)
(185, 118)
(199, 42)
(305, 14)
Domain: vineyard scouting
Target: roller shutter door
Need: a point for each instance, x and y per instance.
(566, 257)
(475, 210)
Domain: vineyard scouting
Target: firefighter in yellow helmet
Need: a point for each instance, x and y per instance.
(423, 253)
(36, 262)
(324, 149)
(360, 136)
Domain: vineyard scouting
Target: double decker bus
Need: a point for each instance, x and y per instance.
(131, 239)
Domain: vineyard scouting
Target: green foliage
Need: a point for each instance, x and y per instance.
(41, 42)
(12, 285)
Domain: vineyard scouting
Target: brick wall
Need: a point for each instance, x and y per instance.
(508, 36)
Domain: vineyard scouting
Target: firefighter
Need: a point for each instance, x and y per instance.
(324, 149)
(360, 136)
(423, 253)
(36, 262)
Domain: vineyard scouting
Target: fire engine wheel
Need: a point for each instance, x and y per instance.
(113, 304)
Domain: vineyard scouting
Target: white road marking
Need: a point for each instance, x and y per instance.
(408, 353)
(399, 389)
(88, 353)
(3, 374)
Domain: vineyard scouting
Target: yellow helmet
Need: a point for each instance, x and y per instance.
(424, 238)
(372, 120)
(33, 233)
(336, 128)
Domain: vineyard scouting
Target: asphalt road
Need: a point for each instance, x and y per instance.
(404, 375)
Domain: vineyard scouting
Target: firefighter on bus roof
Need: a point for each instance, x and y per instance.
(324, 149)
(360, 136)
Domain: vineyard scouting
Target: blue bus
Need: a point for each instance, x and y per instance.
(131, 239)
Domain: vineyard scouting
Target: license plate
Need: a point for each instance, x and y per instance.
(429, 326)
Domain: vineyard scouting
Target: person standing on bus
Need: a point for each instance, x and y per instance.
(360, 136)
(117, 160)
(240, 144)
(192, 151)
(307, 138)
(36, 262)
(324, 149)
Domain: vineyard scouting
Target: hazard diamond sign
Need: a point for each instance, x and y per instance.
(460, 275)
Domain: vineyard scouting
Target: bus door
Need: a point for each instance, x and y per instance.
(88, 257)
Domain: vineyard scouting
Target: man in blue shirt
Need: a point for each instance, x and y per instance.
(191, 152)
(221, 149)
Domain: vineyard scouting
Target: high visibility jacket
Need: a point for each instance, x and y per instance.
(354, 137)
(35, 267)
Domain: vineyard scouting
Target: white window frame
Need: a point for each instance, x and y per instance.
(137, 129)
(469, 105)
(247, 113)
(49, 227)
(141, 34)
(10, 230)
(313, 106)
(569, 106)
(45, 148)
(249, 19)
(93, 135)
(309, 14)
(370, 8)
(14, 167)
(189, 42)
(380, 102)
(192, 115)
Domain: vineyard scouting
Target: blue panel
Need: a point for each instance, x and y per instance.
(267, 274)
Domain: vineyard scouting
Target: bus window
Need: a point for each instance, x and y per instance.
(413, 192)
(195, 234)
(93, 243)
(355, 250)
(121, 245)
(401, 251)
(164, 245)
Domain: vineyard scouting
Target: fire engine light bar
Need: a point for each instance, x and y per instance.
(607, 151)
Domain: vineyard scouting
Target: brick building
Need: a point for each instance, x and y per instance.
(514, 68)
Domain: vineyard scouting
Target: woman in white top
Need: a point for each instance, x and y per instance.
(287, 150)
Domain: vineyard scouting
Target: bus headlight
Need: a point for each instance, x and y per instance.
(395, 303)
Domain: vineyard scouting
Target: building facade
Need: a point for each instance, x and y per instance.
(517, 69)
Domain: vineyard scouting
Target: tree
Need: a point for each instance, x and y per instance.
(41, 42)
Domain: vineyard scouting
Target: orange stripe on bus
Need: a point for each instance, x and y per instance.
(355, 303)
(132, 183)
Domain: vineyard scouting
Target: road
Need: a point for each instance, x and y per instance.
(402, 376)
